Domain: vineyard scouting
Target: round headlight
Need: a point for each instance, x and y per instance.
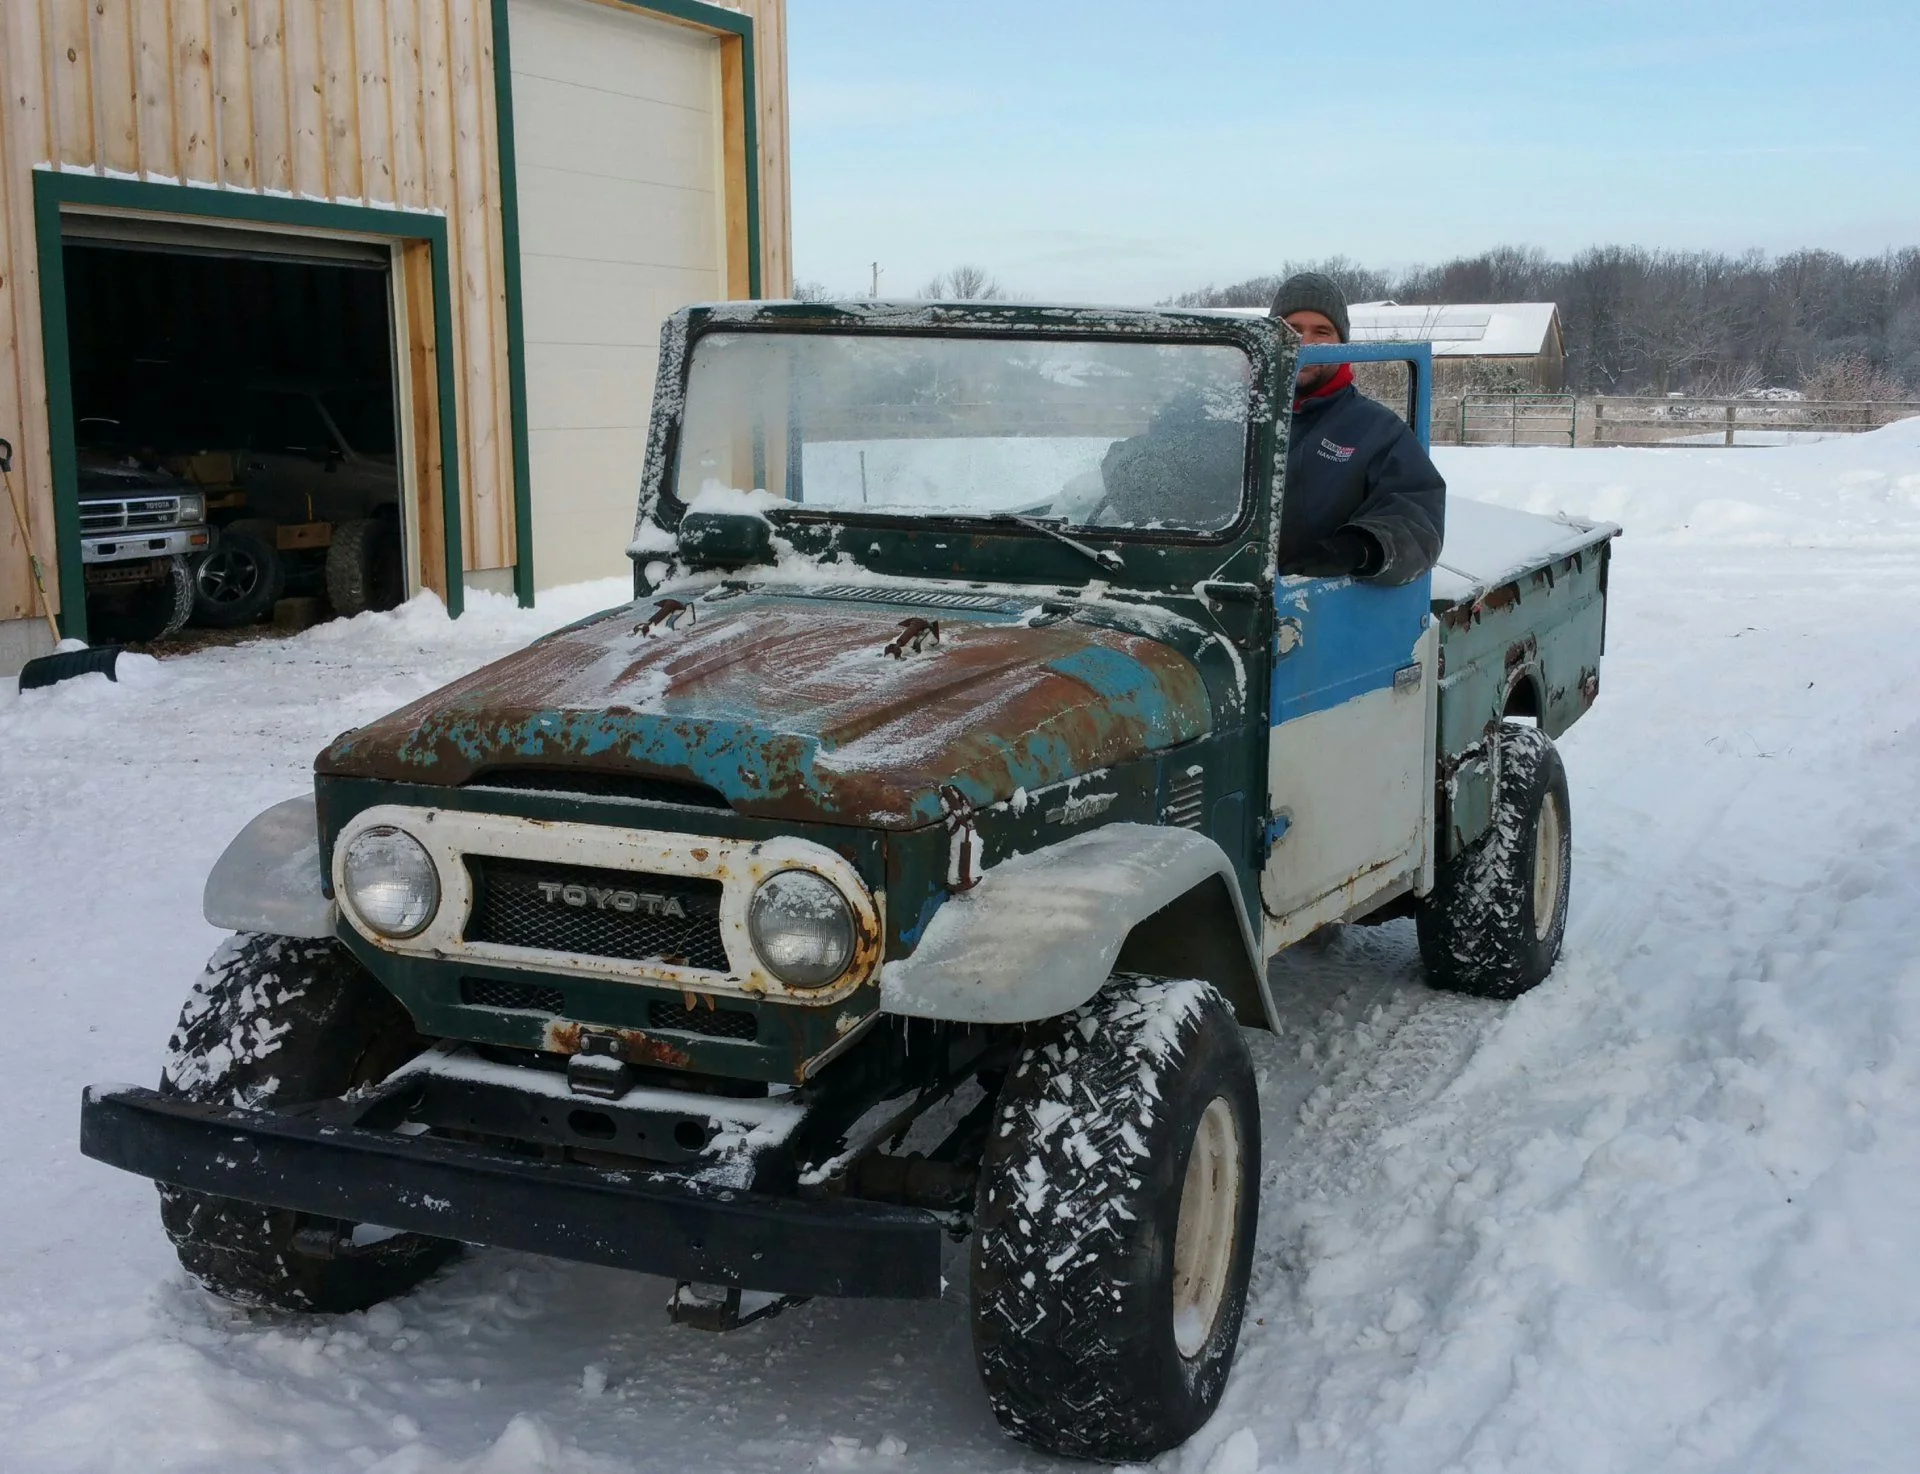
(802, 928)
(391, 882)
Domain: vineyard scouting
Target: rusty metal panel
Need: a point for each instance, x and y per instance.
(798, 709)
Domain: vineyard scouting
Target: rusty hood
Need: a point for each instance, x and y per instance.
(792, 707)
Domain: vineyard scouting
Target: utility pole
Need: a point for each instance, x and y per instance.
(874, 290)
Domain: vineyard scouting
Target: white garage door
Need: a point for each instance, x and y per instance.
(617, 143)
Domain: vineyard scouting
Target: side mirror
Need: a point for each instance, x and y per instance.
(724, 539)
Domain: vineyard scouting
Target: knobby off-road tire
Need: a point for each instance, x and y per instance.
(280, 1021)
(241, 579)
(151, 612)
(1105, 1317)
(364, 568)
(1493, 924)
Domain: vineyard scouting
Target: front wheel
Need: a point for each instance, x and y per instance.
(1493, 924)
(1114, 1224)
(148, 612)
(278, 1021)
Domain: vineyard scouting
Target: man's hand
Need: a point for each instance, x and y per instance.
(1349, 553)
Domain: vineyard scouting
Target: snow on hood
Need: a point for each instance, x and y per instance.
(790, 707)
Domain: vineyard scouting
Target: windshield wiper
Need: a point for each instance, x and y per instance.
(1106, 557)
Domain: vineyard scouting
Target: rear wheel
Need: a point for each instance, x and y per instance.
(365, 569)
(241, 579)
(1493, 924)
(278, 1021)
(1115, 1221)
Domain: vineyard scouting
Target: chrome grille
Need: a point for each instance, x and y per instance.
(669, 919)
(1186, 795)
(714, 1023)
(136, 514)
(525, 997)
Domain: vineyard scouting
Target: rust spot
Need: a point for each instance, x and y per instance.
(1589, 687)
(635, 1047)
(915, 634)
(1521, 652)
(757, 706)
(701, 855)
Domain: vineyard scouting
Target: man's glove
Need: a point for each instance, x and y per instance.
(1349, 553)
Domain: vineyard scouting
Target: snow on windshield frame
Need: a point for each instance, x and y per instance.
(1265, 347)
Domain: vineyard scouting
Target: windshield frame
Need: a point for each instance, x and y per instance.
(1254, 338)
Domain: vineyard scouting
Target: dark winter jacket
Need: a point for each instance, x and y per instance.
(1353, 463)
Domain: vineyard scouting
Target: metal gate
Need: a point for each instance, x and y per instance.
(1524, 418)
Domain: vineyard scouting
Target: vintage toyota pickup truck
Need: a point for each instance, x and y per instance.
(899, 867)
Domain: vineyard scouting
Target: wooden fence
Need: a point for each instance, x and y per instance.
(1651, 420)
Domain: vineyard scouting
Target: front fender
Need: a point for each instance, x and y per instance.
(269, 879)
(1041, 933)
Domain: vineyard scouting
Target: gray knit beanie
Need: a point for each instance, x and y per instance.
(1313, 291)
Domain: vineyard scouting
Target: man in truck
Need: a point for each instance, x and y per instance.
(1362, 498)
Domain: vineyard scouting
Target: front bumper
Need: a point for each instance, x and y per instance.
(655, 1222)
(123, 547)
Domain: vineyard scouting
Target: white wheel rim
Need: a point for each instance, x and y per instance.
(1546, 868)
(1203, 1242)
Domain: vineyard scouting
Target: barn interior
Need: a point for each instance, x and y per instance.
(259, 369)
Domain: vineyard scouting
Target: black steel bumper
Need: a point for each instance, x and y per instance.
(654, 1222)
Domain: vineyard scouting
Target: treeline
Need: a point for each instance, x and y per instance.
(1640, 321)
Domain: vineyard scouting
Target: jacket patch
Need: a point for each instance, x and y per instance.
(1337, 453)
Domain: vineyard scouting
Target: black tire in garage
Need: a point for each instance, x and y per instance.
(146, 613)
(1114, 1223)
(278, 1021)
(1493, 923)
(241, 579)
(365, 569)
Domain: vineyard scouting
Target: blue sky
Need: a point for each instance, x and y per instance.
(1123, 151)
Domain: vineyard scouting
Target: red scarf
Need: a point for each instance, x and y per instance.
(1342, 378)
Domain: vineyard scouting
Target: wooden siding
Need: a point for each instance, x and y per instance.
(381, 102)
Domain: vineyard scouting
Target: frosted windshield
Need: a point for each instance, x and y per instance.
(1079, 432)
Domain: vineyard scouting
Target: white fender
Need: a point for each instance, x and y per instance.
(1039, 934)
(268, 879)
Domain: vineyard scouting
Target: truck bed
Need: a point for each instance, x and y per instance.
(1521, 603)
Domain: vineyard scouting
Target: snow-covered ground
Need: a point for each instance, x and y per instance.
(1662, 1214)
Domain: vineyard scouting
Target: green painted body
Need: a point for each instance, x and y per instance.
(754, 702)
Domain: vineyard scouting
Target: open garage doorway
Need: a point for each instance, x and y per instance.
(249, 378)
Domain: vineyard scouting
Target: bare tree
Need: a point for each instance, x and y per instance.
(964, 284)
(811, 291)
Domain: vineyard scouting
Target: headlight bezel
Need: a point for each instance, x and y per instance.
(765, 896)
(354, 895)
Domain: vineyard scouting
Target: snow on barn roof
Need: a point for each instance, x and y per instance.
(1458, 330)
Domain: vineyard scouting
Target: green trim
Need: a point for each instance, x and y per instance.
(516, 312)
(53, 189)
(749, 84)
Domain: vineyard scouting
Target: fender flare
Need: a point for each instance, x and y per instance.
(269, 879)
(1042, 932)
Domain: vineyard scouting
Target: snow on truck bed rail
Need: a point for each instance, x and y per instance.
(1663, 1214)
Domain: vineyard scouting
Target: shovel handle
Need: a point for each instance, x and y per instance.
(26, 536)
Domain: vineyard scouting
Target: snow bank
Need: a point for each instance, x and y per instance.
(1846, 491)
(1662, 1214)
